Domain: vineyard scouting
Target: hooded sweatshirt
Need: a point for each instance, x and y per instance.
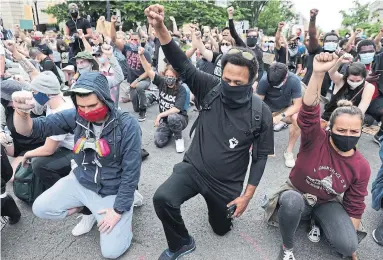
(115, 174)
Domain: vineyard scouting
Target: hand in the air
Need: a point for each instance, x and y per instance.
(141, 51)
(113, 19)
(230, 12)
(155, 14)
(314, 12)
(324, 61)
(281, 25)
(23, 100)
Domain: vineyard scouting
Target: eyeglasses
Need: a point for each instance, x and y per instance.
(226, 44)
(247, 55)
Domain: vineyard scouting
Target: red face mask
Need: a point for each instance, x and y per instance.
(95, 115)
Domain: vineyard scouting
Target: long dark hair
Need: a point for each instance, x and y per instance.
(176, 85)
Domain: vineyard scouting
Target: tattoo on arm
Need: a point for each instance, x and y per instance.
(27, 65)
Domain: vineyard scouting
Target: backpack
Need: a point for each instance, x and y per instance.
(26, 186)
(256, 111)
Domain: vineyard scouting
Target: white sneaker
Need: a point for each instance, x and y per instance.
(289, 159)
(138, 199)
(288, 254)
(85, 225)
(180, 145)
(280, 126)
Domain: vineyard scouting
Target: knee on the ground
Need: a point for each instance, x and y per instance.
(159, 143)
(220, 229)
(39, 207)
(346, 246)
(114, 250)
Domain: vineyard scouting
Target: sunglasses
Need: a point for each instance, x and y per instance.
(247, 55)
(226, 44)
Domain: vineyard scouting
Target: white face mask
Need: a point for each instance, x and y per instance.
(225, 49)
(330, 46)
(84, 67)
(354, 85)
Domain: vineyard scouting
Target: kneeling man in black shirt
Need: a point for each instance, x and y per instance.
(232, 121)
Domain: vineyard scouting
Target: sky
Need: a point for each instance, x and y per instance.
(328, 17)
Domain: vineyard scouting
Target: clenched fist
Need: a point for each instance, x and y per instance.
(324, 61)
(230, 12)
(281, 25)
(155, 14)
(314, 12)
(23, 100)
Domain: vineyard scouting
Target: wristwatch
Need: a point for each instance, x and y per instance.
(283, 115)
(118, 211)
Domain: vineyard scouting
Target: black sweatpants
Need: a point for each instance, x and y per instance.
(52, 168)
(183, 184)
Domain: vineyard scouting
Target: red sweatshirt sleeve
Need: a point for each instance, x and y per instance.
(353, 198)
(309, 123)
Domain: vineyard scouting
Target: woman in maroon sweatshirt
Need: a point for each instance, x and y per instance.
(327, 166)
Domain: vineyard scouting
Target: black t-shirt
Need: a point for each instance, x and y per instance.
(157, 46)
(281, 55)
(48, 65)
(310, 60)
(74, 25)
(22, 143)
(133, 60)
(206, 66)
(171, 98)
(220, 148)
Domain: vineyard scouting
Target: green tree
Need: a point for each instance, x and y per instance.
(204, 13)
(274, 12)
(249, 10)
(359, 17)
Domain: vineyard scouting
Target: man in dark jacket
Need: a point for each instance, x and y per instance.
(216, 163)
(106, 165)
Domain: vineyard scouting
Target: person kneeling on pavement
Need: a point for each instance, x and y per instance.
(107, 160)
(51, 161)
(328, 165)
(281, 90)
(173, 105)
(232, 120)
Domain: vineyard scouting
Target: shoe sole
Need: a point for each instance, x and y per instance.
(187, 252)
(376, 240)
(141, 120)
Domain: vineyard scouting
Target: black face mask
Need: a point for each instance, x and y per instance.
(74, 15)
(293, 45)
(251, 41)
(343, 142)
(237, 96)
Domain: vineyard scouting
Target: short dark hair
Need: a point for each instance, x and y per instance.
(330, 34)
(277, 73)
(239, 60)
(365, 42)
(225, 28)
(343, 42)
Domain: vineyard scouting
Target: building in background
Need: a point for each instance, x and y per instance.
(376, 7)
(222, 3)
(16, 11)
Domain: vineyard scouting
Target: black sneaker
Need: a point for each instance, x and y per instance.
(377, 235)
(286, 254)
(10, 209)
(186, 249)
(142, 116)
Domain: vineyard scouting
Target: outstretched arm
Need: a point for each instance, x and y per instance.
(313, 41)
(145, 64)
(233, 32)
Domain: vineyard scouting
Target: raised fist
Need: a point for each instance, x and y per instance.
(141, 51)
(230, 11)
(324, 61)
(155, 14)
(172, 18)
(23, 100)
(107, 49)
(102, 18)
(281, 25)
(314, 12)
(113, 19)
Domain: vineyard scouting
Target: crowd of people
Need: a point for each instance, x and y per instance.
(61, 118)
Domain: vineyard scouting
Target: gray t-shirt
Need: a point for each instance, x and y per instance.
(280, 98)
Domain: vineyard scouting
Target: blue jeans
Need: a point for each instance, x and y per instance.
(330, 216)
(68, 193)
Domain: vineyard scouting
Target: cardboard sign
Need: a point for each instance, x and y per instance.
(103, 27)
(268, 58)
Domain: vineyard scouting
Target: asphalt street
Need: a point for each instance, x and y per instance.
(251, 238)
